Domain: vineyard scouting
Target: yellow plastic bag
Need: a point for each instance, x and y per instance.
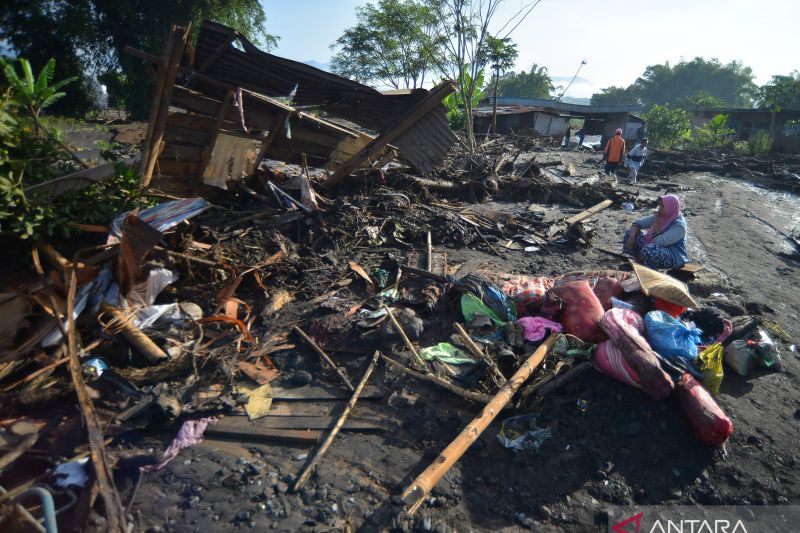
(711, 366)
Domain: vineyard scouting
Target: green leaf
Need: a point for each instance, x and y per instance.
(45, 76)
(26, 69)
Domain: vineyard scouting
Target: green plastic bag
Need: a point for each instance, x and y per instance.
(711, 366)
(471, 306)
(446, 353)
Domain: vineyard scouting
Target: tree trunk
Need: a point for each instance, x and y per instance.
(494, 102)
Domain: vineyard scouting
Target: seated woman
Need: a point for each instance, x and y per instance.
(663, 246)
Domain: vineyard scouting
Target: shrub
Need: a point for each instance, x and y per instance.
(666, 126)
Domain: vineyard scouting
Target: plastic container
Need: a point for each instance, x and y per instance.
(740, 357)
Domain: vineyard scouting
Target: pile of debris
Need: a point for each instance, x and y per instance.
(197, 318)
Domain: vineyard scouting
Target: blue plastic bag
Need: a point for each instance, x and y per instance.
(671, 337)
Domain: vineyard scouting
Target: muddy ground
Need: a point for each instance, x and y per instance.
(610, 444)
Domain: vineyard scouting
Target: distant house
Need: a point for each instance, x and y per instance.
(543, 122)
(783, 126)
(598, 120)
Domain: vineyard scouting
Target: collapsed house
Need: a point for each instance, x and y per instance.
(219, 108)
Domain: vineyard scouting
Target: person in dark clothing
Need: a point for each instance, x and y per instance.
(581, 135)
(641, 133)
(567, 136)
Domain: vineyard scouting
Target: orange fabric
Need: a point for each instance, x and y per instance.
(615, 149)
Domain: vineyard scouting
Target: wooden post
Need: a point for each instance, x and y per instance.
(478, 353)
(324, 357)
(430, 102)
(168, 72)
(416, 492)
(338, 426)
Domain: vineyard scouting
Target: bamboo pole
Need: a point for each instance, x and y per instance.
(338, 426)
(478, 353)
(402, 333)
(324, 357)
(416, 492)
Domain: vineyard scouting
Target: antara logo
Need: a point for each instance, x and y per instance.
(679, 526)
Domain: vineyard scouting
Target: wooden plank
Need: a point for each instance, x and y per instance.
(354, 423)
(222, 431)
(277, 127)
(181, 135)
(583, 215)
(205, 158)
(320, 393)
(173, 167)
(430, 102)
(691, 268)
(182, 152)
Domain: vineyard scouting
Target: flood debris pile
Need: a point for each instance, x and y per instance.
(264, 304)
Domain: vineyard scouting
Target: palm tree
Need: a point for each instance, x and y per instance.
(501, 55)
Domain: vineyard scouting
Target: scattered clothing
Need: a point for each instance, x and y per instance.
(536, 327)
(191, 433)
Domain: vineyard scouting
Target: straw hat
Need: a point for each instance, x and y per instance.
(654, 283)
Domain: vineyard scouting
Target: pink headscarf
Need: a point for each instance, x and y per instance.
(670, 212)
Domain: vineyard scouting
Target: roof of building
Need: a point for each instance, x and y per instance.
(483, 111)
(562, 107)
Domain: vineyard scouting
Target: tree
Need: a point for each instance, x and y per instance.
(701, 99)
(666, 125)
(782, 92)
(391, 44)
(35, 93)
(732, 83)
(88, 38)
(501, 54)
(611, 96)
(464, 27)
(697, 80)
(536, 83)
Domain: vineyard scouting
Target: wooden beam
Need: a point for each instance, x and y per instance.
(583, 215)
(430, 102)
(162, 97)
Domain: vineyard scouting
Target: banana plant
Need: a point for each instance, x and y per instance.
(35, 94)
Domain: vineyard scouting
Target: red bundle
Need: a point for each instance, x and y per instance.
(582, 311)
(638, 354)
(709, 422)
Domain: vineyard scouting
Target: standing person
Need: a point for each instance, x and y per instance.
(635, 159)
(641, 133)
(664, 245)
(567, 136)
(581, 134)
(614, 152)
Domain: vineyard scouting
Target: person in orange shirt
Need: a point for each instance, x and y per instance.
(614, 152)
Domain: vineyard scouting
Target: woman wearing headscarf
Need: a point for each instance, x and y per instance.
(664, 244)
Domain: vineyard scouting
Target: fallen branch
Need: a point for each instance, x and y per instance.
(478, 354)
(405, 338)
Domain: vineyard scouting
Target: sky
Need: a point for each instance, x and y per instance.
(617, 39)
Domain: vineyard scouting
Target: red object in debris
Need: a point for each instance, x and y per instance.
(618, 324)
(608, 359)
(583, 311)
(605, 288)
(673, 310)
(709, 422)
